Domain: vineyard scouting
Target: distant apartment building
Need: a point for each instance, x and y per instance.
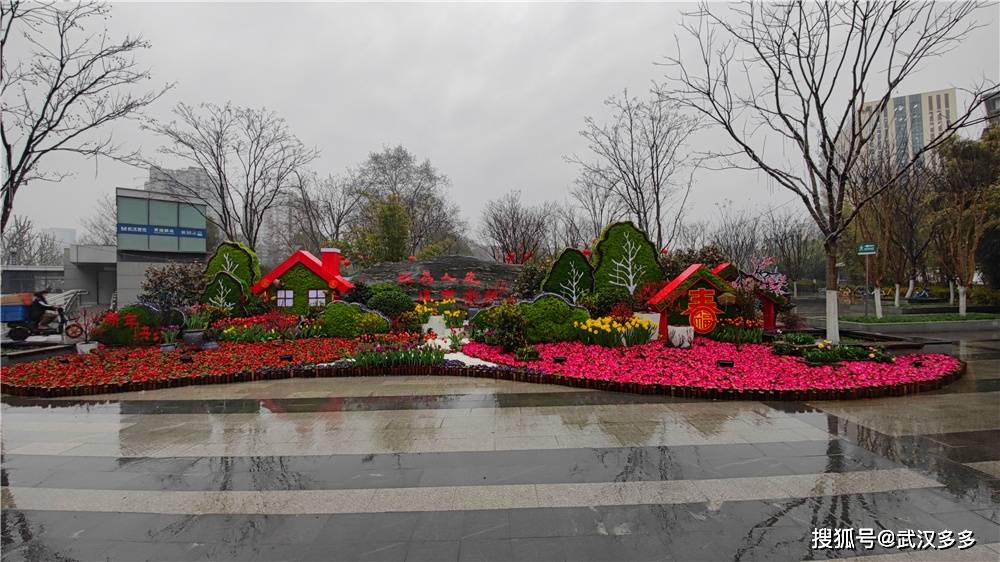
(64, 237)
(909, 123)
(991, 103)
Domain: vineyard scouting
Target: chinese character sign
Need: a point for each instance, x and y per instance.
(701, 310)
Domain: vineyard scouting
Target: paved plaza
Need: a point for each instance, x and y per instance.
(436, 468)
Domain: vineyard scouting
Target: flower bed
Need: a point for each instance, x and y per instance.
(754, 368)
(135, 368)
(648, 369)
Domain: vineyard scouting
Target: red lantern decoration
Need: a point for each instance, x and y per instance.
(347, 263)
(448, 294)
(412, 258)
(425, 295)
(470, 296)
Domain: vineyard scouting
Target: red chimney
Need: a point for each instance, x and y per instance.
(331, 260)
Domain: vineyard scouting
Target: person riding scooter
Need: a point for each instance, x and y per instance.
(41, 312)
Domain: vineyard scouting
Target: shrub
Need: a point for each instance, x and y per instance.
(131, 325)
(550, 319)
(340, 319)
(172, 286)
(392, 303)
(601, 301)
(529, 280)
(984, 296)
(381, 288)
(371, 323)
(505, 326)
(527, 353)
(408, 321)
(799, 338)
(359, 294)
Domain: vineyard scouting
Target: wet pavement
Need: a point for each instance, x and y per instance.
(438, 468)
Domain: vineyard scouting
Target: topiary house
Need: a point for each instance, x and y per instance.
(303, 281)
(673, 298)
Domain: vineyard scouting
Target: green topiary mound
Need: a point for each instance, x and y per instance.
(549, 318)
(571, 276)
(347, 320)
(625, 258)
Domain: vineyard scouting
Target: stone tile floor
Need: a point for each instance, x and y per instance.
(438, 468)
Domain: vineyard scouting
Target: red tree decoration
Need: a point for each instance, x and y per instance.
(425, 295)
(426, 278)
(490, 295)
(448, 294)
(405, 277)
(412, 258)
(470, 279)
(470, 296)
(446, 278)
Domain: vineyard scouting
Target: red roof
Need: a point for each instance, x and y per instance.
(333, 279)
(717, 269)
(678, 281)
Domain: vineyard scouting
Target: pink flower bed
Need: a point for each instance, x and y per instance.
(755, 367)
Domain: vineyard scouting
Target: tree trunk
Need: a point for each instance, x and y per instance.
(795, 289)
(832, 306)
(961, 300)
(909, 288)
(895, 299)
(878, 301)
(951, 291)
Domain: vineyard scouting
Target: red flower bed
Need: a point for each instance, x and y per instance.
(276, 320)
(754, 366)
(145, 364)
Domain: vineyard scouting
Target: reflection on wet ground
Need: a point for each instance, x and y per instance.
(436, 468)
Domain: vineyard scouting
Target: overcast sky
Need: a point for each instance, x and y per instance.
(493, 94)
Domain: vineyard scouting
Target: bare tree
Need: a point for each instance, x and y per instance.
(323, 209)
(514, 231)
(421, 188)
(798, 75)
(248, 155)
(794, 241)
(67, 85)
(101, 227)
(598, 204)
(738, 234)
(24, 245)
(639, 157)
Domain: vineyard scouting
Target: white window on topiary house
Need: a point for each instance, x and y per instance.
(317, 297)
(285, 298)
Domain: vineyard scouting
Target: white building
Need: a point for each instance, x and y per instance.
(909, 123)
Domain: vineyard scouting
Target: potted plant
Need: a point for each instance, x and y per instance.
(169, 334)
(194, 326)
(455, 339)
(88, 321)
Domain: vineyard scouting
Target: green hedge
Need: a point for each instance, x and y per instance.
(548, 318)
(347, 320)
